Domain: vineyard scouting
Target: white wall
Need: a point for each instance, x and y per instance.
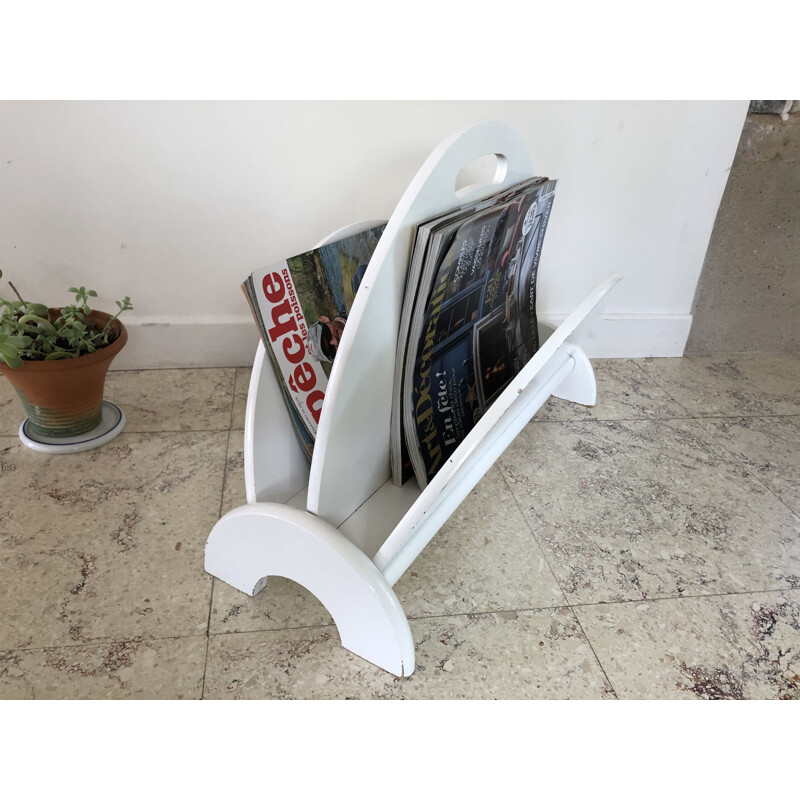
(174, 203)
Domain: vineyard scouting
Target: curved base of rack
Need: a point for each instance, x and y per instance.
(261, 539)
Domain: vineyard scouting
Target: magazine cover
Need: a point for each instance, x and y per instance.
(300, 306)
(474, 326)
(427, 242)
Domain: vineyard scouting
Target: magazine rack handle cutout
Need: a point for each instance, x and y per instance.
(340, 527)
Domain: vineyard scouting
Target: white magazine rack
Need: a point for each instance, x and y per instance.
(339, 526)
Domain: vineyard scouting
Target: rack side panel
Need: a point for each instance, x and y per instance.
(351, 453)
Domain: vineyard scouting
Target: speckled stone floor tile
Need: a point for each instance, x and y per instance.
(280, 604)
(108, 543)
(510, 655)
(744, 646)
(233, 492)
(153, 669)
(770, 446)
(483, 559)
(240, 397)
(11, 411)
(642, 509)
(299, 664)
(624, 391)
(524, 655)
(156, 400)
(646, 548)
(746, 384)
(173, 399)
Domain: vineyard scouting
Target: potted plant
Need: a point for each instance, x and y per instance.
(57, 358)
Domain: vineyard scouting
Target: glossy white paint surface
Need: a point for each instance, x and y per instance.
(341, 528)
(351, 455)
(262, 539)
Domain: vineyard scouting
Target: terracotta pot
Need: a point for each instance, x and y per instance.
(65, 397)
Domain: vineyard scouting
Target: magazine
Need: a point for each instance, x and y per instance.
(427, 242)
(473, 325)
(300, 306)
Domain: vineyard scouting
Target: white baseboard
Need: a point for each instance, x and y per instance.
(159, 343)
(631, 335)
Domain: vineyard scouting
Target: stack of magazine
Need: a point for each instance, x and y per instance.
(300, 306)
(468, 323)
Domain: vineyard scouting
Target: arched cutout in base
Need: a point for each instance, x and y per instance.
(262, 539)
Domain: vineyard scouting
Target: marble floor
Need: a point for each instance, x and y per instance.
(648, 548)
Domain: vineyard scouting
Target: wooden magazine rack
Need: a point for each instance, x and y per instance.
(339, 526)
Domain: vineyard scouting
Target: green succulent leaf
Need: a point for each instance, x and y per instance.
(37, 309)
(15, 341)
(10, 347)
(31, 323)
(10, 356)
(27, 333)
